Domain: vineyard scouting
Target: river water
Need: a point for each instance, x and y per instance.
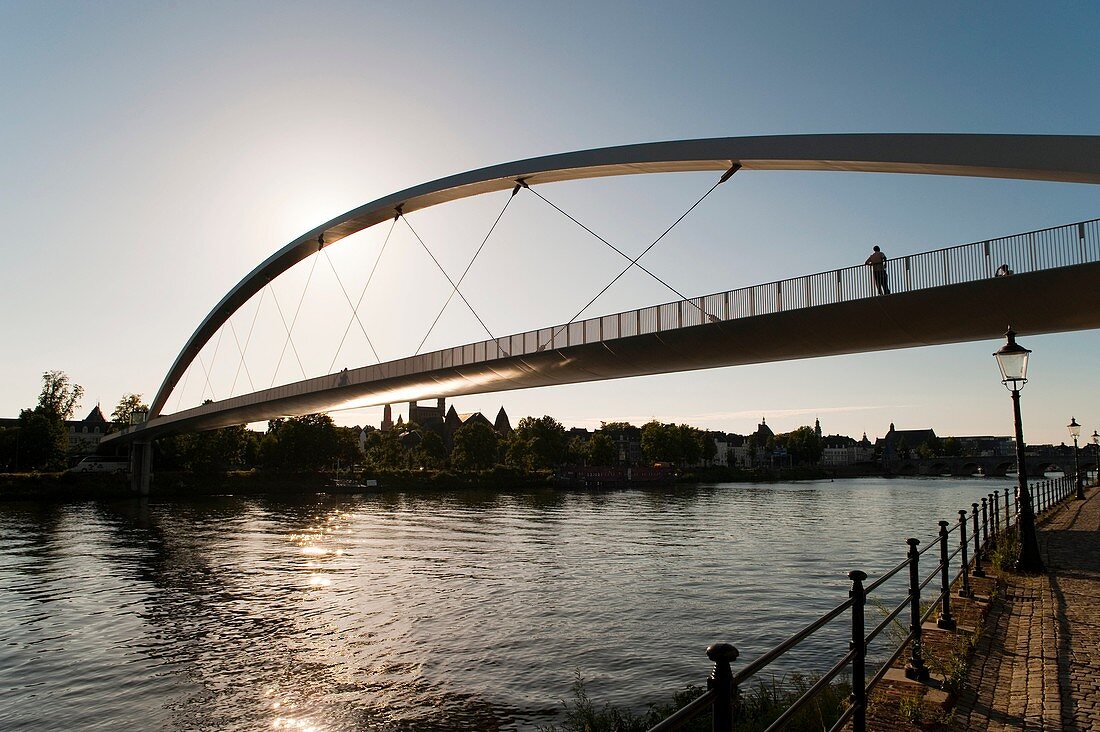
(424, 611)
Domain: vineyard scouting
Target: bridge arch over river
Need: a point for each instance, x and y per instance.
(944, 296)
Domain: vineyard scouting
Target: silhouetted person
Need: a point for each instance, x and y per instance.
(877, 263)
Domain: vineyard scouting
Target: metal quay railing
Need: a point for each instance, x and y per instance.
(722, 694)
(1059, 246)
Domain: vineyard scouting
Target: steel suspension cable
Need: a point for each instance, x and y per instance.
(634, 262)
(275, 298)
(620, 252)
(186, 376)
(354, 314)
(247, 340)
(467, 270)
(233, 330)
(213, 357)
(359, 302)
(437, 264)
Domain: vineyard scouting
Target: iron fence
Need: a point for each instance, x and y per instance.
(988, 528)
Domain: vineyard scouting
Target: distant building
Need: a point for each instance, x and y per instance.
(903, 443)
(502, 424)
(731, 450)
(985, 446)
(440, 420)
(429, 417)
(628, 444)
(454, 421)
(843, 450)
(85, 434)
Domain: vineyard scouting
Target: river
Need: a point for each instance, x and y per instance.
(403, 611)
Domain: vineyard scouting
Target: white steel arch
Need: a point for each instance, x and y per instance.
(1065, 158)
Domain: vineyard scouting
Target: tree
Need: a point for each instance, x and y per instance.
(951, 447)
(659, 443)
(212, 451)
(309, 442)
(671, 443)
(127, 406)
(9, 445)
(43, 441)
(615, 428)
(60, 397)
(43, 438)
(430, 452)
(804, 445)
(538, 443)
(475, 447)
(710, 448)
(600, 450)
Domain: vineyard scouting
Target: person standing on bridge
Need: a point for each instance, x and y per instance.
(877, 263)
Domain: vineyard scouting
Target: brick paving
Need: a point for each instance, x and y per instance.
(1037, 666)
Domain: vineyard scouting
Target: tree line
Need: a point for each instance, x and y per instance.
(313, 442)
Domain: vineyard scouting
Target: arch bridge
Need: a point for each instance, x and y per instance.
(996, 466)
(942, 296)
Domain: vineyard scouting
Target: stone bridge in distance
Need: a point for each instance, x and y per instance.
(991, 466)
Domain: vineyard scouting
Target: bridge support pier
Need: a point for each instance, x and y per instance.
(141, 467)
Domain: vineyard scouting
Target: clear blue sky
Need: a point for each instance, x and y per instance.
(154, 153)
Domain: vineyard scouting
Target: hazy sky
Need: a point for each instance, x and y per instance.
(151, 154)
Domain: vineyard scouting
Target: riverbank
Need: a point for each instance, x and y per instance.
(95, 486)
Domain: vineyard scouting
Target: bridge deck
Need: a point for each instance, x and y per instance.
(1035, 302)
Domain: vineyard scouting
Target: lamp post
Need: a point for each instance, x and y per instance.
(1096, 453)
(1075, 432)
(1012, 360)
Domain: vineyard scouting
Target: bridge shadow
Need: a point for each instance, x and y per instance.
(1072, 556)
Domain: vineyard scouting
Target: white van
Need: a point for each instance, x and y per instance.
(101, 464)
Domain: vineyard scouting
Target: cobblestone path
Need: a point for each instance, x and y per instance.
(1037, 666)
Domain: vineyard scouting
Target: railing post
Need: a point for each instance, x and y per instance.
(859, 645)
(945, 621)
(1016, 502)
(985, 529)
(1008, 514)
(721, 680)
(996, 515)
(915, 669)
(977, 543)
(964, 591)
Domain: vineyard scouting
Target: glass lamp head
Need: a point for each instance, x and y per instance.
(1012, 360)
(1074, 428)
(1095, 437)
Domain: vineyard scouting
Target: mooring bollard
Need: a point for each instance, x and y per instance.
(915, 669)
(945, 621)
(721, 680)
(965, 590)
(859, 659)
(977, 544)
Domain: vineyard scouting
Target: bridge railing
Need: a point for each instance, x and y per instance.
(953, 563)
(1043, 249)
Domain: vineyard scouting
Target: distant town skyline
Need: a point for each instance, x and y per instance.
(155, 160)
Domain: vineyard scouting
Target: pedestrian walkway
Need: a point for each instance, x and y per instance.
(1037, 666)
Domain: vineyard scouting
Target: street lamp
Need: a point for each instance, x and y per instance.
(1075, 432)
(1096, 453)
(1012, 360)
